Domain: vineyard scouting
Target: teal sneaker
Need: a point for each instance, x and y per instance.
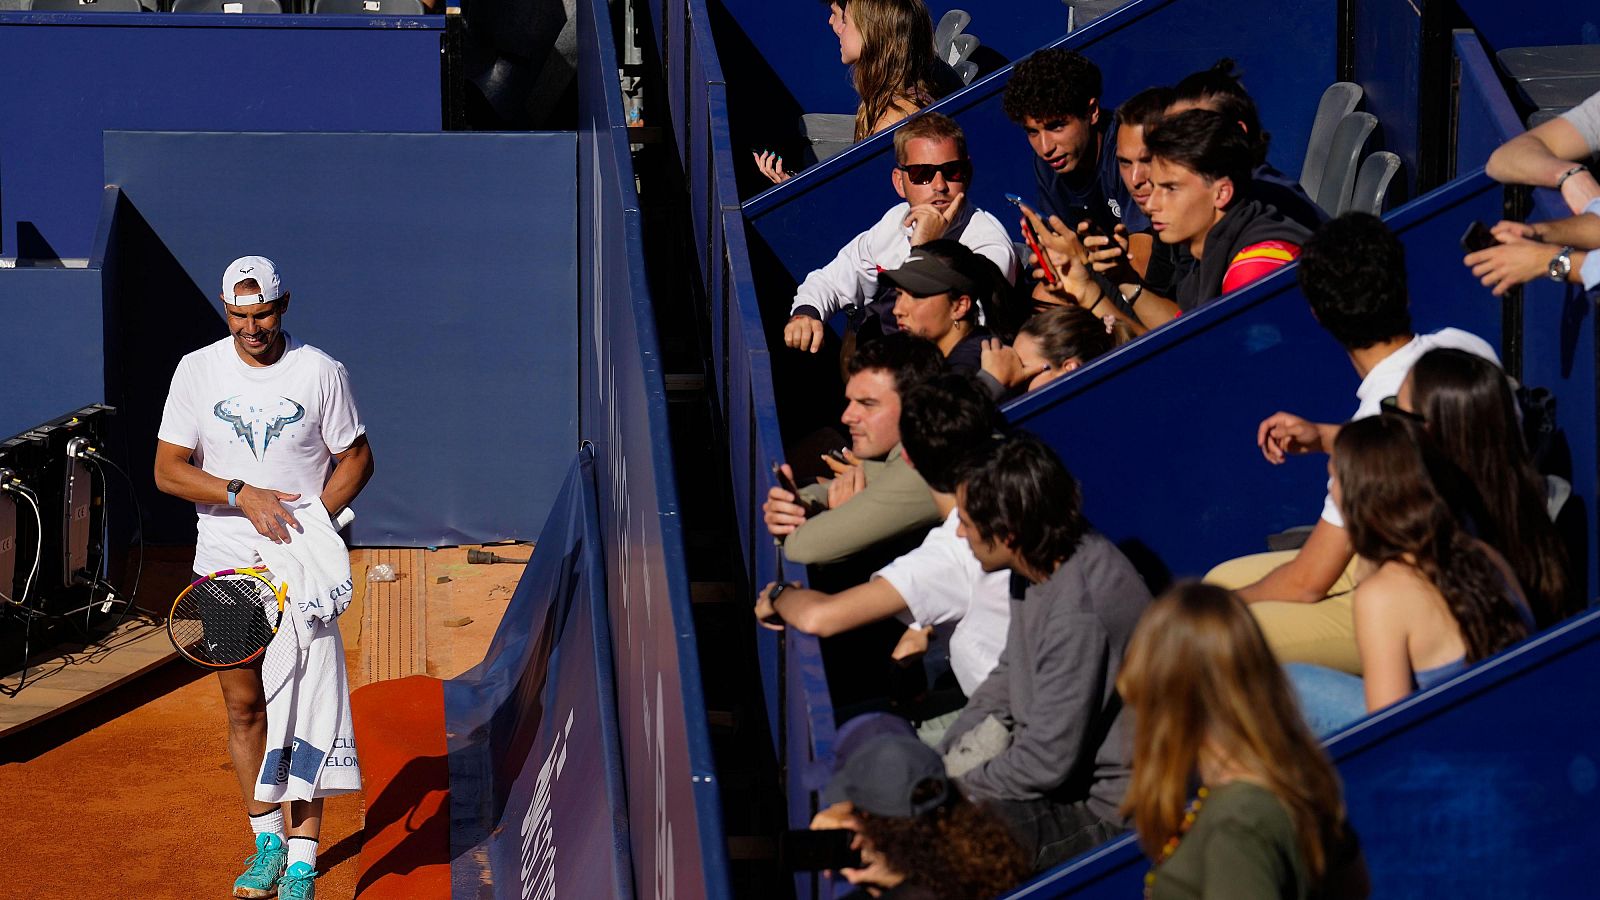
(298, 883)
(263, 868)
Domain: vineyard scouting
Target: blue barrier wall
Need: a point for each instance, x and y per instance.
(1387, 57)
(536, 785)
(1286, 64)
(446, 339)
(675, 820)
(1485, 117)
(50, 345)
(1504, 25)
(1203, 494)
(72, 76)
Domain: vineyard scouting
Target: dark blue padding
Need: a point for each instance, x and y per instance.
(463, 361)
(1480, 787)
(537, 793)
(1485, 116)
(1287, 62)
(71, 76)
(1162, 432)
(1506, 25)
(1387, 61)
(673, 801)
(51, 361)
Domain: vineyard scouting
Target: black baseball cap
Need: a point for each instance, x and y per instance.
(886, 776)
(924, 275)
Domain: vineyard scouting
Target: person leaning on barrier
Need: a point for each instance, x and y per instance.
(1045, 739)
(940, 584)
(1353, 273)
(932, 174)
(878, 497)
(1552, 156)
(1566, 251)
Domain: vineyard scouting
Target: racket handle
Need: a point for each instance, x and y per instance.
(345, 517)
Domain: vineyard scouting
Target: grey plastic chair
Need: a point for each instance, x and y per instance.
(961, 49)
(828, 133)
(90, 6)
(1562, 61)
(1081, 12)
(1344, 157)
(1338, 101)
(1372, 183)
(967, 71)
(944, 34)
(247, 7)
(369, 7)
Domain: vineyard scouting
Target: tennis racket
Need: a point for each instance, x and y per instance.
(226, 619)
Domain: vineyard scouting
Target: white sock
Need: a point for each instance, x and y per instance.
(303, 849)
(268, 822)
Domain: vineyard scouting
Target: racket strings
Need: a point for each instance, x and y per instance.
(224, 620)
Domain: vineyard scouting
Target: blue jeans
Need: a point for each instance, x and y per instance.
(1329, 699)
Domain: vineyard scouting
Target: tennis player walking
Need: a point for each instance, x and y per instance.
(253, 421)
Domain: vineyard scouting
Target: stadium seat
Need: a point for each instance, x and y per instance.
(87, 6)
(1372, 183)
(1564, 61)
(1338, 101)
(1344, 157)
(248, 7)
(369, 7)
(828, 134)
(1081, 12)
(944, 34)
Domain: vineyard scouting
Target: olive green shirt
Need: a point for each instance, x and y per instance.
(895, 501)
(1243, 846)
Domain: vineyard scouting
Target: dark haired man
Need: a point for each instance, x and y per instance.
(1050, 707)
(880, 497)
(1353, 273)
(931, 174)
(1054, 94)
(940, 584)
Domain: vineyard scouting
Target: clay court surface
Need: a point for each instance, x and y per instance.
(133, 794)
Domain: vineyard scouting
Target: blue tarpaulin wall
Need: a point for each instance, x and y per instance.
(537, 799)
(50, 345)
(69, 77)
(462, 352)
(675, 820)
(1287, 62)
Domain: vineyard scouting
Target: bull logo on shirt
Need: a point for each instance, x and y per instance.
(268, 419)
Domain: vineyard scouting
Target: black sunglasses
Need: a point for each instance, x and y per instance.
(1391, 406)
(954, 170)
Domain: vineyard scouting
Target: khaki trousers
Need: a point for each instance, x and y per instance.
(1322, 633)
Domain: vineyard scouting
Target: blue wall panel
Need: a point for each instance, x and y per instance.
(1286, 64)
(50, 345)
(1388, 63)
(70, 77)
(439, 268)
(1485, 117)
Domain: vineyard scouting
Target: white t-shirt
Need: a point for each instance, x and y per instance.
(1386, 377)
(276, 427)
(942, 582)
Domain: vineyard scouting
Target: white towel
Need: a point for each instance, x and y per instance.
(311, 747)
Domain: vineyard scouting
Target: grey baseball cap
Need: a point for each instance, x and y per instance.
(892, 775)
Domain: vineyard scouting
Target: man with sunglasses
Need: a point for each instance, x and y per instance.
(931, 174)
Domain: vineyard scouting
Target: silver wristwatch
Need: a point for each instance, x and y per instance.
(1561, 266)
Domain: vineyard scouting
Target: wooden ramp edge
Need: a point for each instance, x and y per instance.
(59, 681)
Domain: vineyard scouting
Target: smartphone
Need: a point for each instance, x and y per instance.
(815, 851)
(838, 455)
(1478, 237)
(1033, 244)
(812, 507)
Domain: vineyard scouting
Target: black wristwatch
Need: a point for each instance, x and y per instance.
(774, 618)
(234, 487)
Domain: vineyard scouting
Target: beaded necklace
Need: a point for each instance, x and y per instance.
(1171, 846)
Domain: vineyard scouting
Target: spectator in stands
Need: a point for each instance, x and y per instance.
(918, 836)
(1044, 739)
(1470, 411)
(932, 174)
(1552, 155)
(940, 584)
(1054, 94)
(1437, 598)
(888, 45)
(1051, 344)
(1562, 250)
(941, 293)
(881, 497)
(1353, 274)
(1219, 90)
(1211, 708)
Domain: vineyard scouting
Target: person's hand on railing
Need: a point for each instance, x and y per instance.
(803, 332)
(771, 165)
(782, 512)
(1520, 257)
(766, 614)
(929, 223)
(1005, 366)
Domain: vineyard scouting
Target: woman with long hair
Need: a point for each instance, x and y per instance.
(1049, 345)
(1468, 407)
(1211, 708)
(1435, 599)
(917, 835)
(888, 45)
